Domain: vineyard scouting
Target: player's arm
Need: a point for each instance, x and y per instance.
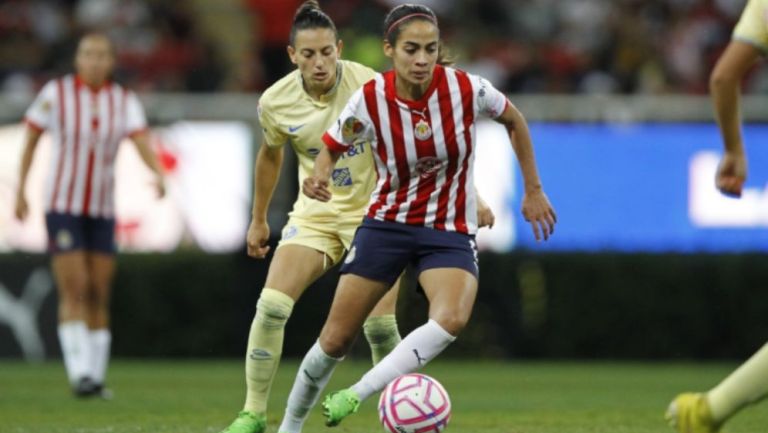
(536, 207)
(266, 173)
(141, 141)
(32, 137)
(316, 186)
(725, 90)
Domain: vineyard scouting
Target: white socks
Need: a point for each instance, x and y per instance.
(746, 385)
(76, 348)
(100, 340)
(314, 373)
(86, 352)
(416, 350)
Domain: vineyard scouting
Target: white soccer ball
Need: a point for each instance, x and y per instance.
(414, 403)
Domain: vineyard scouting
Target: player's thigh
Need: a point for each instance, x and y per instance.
(451, 293)
(354, 299)
(294, 268)
(388, 303)
(101, 270)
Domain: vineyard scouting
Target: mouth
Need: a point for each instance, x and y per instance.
(420, 75)
(320, 76)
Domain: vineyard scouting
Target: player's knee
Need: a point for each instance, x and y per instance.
(336, 343)
(453, 322)
(273, 308)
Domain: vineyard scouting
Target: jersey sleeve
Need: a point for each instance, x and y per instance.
(40, 114)
(353, 125)
(752, 27)
(272, 134)
(489, 101)
(136, 119)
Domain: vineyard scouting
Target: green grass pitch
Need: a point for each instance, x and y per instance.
(487, 397)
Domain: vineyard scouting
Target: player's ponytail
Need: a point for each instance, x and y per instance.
(310, 16)
(405, 13)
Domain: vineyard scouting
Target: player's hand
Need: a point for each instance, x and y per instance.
(316, 188)
(731, 174)
(22, 208)
(257, 239)
(539, 212)
(485, 216)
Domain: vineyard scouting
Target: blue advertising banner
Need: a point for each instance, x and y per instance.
(642, 188)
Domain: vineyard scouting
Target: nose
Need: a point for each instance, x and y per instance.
(421, 58)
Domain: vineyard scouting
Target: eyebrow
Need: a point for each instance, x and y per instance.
(312, 50)
(417, 45)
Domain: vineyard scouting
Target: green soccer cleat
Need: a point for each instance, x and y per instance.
(338, 405)
(247, 422)
(690, 413)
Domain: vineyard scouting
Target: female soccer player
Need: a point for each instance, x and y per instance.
(420, 118)
(297, 110)
(88, 116)
(706, 412)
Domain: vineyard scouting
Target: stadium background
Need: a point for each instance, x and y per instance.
(649, 262)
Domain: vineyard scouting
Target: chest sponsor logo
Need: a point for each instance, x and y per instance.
(428, 167)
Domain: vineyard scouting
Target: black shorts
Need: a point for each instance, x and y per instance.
(381, 250)
(70, 232)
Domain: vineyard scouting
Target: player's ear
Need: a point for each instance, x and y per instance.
(389, 50)
(291, 54)
(339, 47)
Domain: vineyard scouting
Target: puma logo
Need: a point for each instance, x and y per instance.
(420, 360)
(310, 377)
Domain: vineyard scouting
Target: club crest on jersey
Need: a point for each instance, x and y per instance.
(422, 130)
(352, 129)
(428, 166)
(341, 176)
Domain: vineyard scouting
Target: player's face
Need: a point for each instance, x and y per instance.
(316, 53)
(94, 60)
(415, 52)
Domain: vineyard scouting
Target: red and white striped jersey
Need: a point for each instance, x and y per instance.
(423, 149)
(86, 127)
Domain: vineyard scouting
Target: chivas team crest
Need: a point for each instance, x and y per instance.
(422, 131)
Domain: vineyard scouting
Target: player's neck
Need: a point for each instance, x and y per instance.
(94, 84)
(410, 91)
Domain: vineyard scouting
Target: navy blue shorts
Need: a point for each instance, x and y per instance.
(381, 250)
(70, 232)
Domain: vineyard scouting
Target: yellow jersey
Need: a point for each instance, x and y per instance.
(753, 25)
(288, 115)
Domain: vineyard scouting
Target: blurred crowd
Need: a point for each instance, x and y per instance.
(522, 46)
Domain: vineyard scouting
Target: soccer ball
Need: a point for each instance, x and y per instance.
(414, 403)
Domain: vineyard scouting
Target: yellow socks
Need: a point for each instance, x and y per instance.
(382, 335)
(746, 385)
(265, 346)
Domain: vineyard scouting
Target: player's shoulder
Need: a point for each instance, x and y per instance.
(356, 74)
(281, 93)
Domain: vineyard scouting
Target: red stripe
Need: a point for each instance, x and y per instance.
(105, 153)
(369, 92)
(467, 98)
(332, 144)
(33, 125)
(398, 146)
(73, 179)
(87, 203)
(417, 212)
(451, 148)
(62, 143)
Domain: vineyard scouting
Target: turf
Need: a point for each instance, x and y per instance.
(487, 397)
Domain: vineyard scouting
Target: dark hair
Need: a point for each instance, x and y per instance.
(310, 16)
(405, 13)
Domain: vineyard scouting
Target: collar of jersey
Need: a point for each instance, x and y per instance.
(327, 95)
(419, 104)
(80, 83)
